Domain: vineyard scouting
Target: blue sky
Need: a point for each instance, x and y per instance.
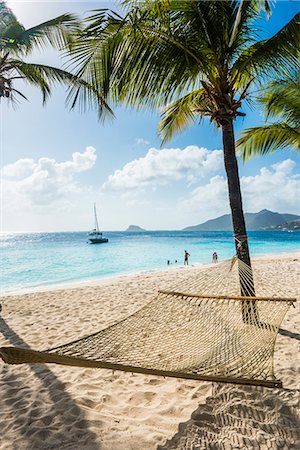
(56, 163)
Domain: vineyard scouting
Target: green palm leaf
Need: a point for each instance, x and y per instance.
(57, 32)
(16, 42)
(281, 100)
(259, 141)
(9, 26)
(263, 58)
(184, 112)
(14, 37)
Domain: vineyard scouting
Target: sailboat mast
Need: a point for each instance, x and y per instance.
(96, 220)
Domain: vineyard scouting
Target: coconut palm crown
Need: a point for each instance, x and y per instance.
(190, 59)
(17, 43)
(281, 101)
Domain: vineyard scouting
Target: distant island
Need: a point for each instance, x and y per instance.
(262, 220)
(134, 228)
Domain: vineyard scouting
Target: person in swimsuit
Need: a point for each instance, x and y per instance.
(186, 258)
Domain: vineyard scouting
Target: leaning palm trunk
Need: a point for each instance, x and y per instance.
(235, 197)
(249, 311)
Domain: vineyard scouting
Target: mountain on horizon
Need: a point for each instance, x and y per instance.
(134, 228)
(262, 220)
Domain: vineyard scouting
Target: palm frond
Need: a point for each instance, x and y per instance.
(44, 77)
(259, 141)
(281, 99)
(123, 59)
(9, 27)
(57, 32)
(36, 75)
(16, 42)
(263, 58)
(86, 96)
(183, 113)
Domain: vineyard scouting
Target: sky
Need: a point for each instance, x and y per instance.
(55, 163)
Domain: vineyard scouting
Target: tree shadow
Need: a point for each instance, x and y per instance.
(53, 424)
(289, 334)
(241, 417)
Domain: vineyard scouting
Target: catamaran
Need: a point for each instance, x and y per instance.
(95, 236)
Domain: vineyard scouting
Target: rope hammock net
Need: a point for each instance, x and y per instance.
(202, 329)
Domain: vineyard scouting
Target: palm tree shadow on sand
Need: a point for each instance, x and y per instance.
(57, 419)
(289, 334)
(241, 417)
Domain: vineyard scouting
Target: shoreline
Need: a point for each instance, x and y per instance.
(99, 281)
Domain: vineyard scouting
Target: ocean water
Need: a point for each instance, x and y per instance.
(34, 260)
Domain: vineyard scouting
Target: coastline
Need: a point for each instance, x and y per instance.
(99, 281)
(50, 406)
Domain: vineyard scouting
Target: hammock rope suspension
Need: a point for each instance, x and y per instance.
(241, 240)
(200, 329)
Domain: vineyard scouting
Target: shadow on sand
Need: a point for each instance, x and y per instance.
(289, 334)
(244, 417)
(57, 419)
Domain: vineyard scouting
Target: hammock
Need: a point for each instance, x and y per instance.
(203, 330)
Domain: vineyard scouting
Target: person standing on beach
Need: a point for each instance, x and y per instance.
(214, 257)
(186, 258)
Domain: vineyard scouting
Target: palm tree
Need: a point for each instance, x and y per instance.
(281, 101)
(16, 43)
(193, 58)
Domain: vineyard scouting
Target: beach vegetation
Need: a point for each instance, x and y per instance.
(189, 59)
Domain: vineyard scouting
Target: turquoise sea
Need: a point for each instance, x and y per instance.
(34, 260)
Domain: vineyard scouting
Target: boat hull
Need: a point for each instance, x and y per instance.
(98, 240)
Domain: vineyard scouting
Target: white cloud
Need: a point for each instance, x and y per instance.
(286, 166)
(276, 188)
(209, 200)
(19, 169)
(142, 141)
(160, 167)
(29, 183)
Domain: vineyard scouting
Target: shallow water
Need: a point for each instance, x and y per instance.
(38, 259)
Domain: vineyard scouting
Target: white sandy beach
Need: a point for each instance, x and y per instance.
(56, 407)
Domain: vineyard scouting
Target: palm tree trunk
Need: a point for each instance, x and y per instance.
(235, 198)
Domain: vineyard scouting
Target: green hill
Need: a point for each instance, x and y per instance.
(263, 220)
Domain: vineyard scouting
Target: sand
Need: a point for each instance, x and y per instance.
(56, 407)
